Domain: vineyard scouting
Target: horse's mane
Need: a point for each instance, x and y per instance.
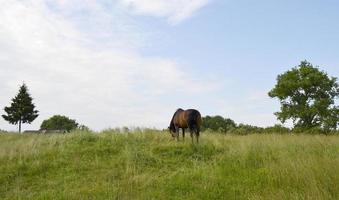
(178, 110)
(172, 123)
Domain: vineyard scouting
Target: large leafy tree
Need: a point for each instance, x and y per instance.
(21, 110)
(307, 96)
(59, 122)
(218, 123)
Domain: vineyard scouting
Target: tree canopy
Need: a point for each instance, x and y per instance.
(218, 123)
(21, 110)
(59, 122)
(307, 96)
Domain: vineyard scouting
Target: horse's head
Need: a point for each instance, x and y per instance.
(172, 131)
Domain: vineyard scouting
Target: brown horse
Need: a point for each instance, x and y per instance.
(183, 119)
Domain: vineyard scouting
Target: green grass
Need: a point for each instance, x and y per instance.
(152, 166)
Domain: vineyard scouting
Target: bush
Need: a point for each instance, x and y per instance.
(84, 128)
(3, 131)
(313, 131)
(277, 129)
(58, 122)
(218, 124)
(244, 129)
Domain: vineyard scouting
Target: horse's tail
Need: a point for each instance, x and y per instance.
(196, 122)
(199, 120)
(195, 119)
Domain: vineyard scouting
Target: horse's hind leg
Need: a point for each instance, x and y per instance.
(191, 133)
(197, 134)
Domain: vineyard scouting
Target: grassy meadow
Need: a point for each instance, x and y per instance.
(152, 166)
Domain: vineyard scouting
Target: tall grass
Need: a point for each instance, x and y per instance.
(153, 166)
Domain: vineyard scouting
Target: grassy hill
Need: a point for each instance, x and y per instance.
(152, 166)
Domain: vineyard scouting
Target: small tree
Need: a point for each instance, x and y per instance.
(58, 122)
(22, 110)
(307, 96)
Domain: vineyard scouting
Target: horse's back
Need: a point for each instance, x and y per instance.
(187, 118)
(181, 118)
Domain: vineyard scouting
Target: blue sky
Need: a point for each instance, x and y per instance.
(133, 62)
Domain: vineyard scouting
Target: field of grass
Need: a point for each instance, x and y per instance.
(152, 166)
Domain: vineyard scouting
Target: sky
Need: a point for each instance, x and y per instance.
(132, 63)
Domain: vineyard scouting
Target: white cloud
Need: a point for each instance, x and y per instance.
(68, 73)
(174, 10)
(250, 107)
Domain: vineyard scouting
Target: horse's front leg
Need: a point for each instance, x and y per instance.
(177, 133)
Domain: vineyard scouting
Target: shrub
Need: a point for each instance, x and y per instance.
(277, 129)
(58, 122)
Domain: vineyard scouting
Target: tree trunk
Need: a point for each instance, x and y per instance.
(20, 126)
